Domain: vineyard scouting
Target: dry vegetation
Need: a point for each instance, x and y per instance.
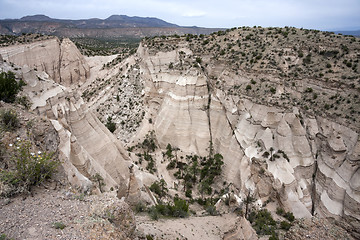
(8, 40)
(103, 47)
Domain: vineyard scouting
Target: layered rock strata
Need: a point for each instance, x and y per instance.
(308, 163)
(86, 146)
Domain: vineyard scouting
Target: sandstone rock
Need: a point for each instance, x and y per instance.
(62, 61)
(271, 120)
(133, 193)
(74, 69)
(355, 153)
(86, 146)
(243, 230)
(283, 128)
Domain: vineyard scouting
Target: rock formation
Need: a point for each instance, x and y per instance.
(86, 146)
(242, 230)
(62, 61)
(133, 192)
(307, 162)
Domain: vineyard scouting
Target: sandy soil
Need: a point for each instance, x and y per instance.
(206, 227)
(34, 217)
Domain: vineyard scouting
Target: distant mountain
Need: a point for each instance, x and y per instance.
(355, 33)
(148, 21)
(111, 27)
(38, 17)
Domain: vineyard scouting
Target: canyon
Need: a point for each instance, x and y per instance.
(279, 105)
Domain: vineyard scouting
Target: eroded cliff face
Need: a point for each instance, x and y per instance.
(60, 59)
(86, 147)
(306, 162)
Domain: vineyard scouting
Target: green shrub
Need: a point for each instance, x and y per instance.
(59, 225)
(280, 211)
(300, 54)
(205, 187)
(30, 169)
(9, 87)
(9, 119)
(307, 59)
(153, 213)
(149, 142)
(24, 101)
(140, 207)
(110, 125)
(149, 237)
(188, 193)
(309, 90)
(211, 209)
(169, 151)
(97, 178)
(285, 225)
(274, 237)
(262, 222)
(179, 209)
(171, 165)
(159, 188)
(4, 237)
(289, 216)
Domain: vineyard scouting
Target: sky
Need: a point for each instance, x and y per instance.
(312, 14)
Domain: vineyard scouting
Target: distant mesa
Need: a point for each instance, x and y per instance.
(145, 21)
(113, 27)
(355, 33)
(112, 21)
(38, 17)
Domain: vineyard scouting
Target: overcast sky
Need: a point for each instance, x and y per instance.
(315, 14)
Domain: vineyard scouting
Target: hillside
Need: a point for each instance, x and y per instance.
(257, 126)
(315, 71)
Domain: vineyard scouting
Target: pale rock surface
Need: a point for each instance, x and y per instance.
(86, 146)
(243, 230)
(133, 193)
(62, 61)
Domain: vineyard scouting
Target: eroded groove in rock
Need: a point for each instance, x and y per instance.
(61, 60)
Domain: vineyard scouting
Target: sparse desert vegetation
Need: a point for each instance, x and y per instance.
(283, 67)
